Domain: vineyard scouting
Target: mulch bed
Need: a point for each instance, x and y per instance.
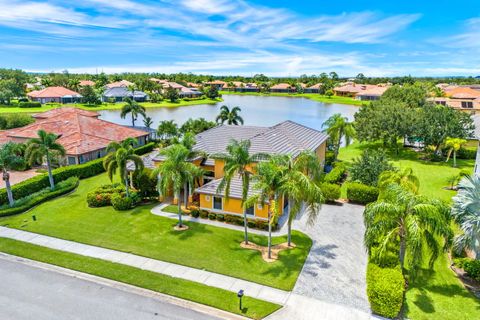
(264, 250)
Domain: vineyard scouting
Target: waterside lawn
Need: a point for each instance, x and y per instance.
(140, 232)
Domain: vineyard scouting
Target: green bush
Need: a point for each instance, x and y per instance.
(329, 158)
(203, 214)
(467, 153)
(30, 104)
(361, 193)
(15, 120)
(471, 267)
(368, 167)
(261, 224)
(196, 213)
(212, 216)
(145, 148)
(220, 217)
(121, 203)
(330, 191)
(102, 196)
(251, 223)
(337, 174)
(385, 290)
(145, 183)
(34, 199)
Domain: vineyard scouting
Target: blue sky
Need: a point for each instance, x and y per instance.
(277, 38)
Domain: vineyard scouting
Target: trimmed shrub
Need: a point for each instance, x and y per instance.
(26, 203)
(329, 156)
(203, 214)
(470, 266)
(121, 203)
(212, 216)
(337, 174)
(330, 191)
(15, 120)
(220, 217)
(145, 183)
(233, 219)
(385, 290)
(251, 223)
(102, 196)
(145, 148)
(195, 213)
(361, 193)
(261, 224)
(29, 104)
(467, 153)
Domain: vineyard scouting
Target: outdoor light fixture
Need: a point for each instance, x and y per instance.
(240, 295)
(34, 218)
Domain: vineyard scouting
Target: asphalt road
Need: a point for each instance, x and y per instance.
(28, 292)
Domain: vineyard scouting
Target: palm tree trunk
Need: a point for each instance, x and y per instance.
(180, 223)
(126, 186)
(6, 178)
(269, 234)
(185, 194)
(454, 158)
(244, 197)
(133, 120)
(289, 223)
(402, 251)
(50, 175)
(245, 225)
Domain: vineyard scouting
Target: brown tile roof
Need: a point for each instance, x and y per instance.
(58, 111)
(354, 88)
(122, 83)
(87, 83)
(53, 92)
(216, 82)
(79, 132)
(281, 86)
(316, 86)
(373, 91)
(463, 93)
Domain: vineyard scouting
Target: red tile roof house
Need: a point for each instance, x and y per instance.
(313, 89)
(350, 89)
(82, 134)
(463, 98)
(84, 83)
(282, 87)
(122, 83)
(55, 94)
(216, 83)
(370, 94)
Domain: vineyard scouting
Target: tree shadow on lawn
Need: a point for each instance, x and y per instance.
(194, 229)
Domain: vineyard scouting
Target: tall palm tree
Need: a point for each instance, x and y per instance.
(134, 109)
(229, 116)
(268, 183)
(301, 176)
(45, 147)
(74, 84)
(119, 154)
(338, 127)
(404, 178)
(411, 222)
(175, 173)
(9, 158)
(167, 129)
(466, 212)
(147, 122)
(453, 145)
(238, 163)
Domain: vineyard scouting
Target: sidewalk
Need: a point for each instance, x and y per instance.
(208, 278)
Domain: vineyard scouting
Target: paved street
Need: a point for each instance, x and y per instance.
(29, 293)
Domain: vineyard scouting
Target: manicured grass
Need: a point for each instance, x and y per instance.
(189, 290)
(109, 106)
(433, 176)
(139, 231)
(171, 209)
(438, 294)
(312, 96)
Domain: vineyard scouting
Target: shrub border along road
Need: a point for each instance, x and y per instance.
(184, 289)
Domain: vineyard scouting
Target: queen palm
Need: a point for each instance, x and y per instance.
(45, 147)
(413, 223)
(453, 145)
(238, 163)
(132, 107)
(300, 184)
(466, 212)
(119, 154)
(338, 127)
(9, 158)
(229, 116)
(175, 173)
(404, 178)
(167, 129)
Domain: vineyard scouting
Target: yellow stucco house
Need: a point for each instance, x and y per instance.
(286, 137)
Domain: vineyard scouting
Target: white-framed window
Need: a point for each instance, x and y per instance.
(217, 203)
(467, 104)
(250, 211)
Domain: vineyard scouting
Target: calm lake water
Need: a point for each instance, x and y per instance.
(256, 111)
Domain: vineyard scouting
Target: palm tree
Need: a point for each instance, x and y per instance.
(132, 88)
(466, 212)
(238, 163)
(9, 158)
(119, 154)
(404, 178)
(229, 116)
(339, 127)
(412, 222)
(300, 185)
(175, 173)
(74, 84)
(453, 145)
(44, 147)
(167, 129)
(147, 122)
(268, 183)
(133, 108)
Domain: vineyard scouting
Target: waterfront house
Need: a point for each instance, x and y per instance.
(460, 97)
(371, 93)
(121, 83)
(81, 133)
(55, 94)
(282, 88)
(119, 94)
(314, 88)
(218, 84)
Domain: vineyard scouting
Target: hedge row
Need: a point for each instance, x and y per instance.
(337, 174)
(82, 171)
(61, 189)
(330, 191)
(29, 104)
(385, 290)
(361, 193)
(470, 266)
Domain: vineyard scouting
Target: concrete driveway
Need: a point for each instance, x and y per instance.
(19, 176)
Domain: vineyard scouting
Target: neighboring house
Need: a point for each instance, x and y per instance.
(475, 141)
(463, 98)
(82, 134)
(189, 93)
(84, 83)
(55, 94)
(313, 89)
(216, 83)
(238, 86)
(120, 93)
(282, 88)
(284, 138)
(122, 83)
(371, 93)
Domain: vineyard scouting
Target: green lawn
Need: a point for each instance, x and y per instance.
(109, 106)
(189, 290)
(312, 96)
(433, 176)
(138, 231)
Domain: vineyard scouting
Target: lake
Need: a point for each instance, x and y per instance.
(256, 111)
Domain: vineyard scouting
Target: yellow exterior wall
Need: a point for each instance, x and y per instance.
(219, 164)
(321, 150)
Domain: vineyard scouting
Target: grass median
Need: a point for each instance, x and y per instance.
(184, 289)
